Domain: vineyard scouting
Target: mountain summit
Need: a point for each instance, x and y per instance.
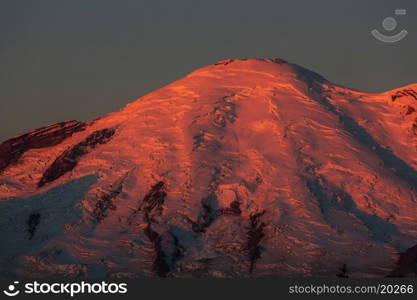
(244, 168)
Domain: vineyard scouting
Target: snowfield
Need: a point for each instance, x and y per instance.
(244, 168)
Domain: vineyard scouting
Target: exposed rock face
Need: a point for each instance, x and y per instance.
(405, 93)
(407, 264)
(48, 136)
(245, 168)
(152, 206)
(68, 160)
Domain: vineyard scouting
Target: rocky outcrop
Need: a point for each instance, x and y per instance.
(68, 160)
(152, 206)
(12, 150)
(404, 93)
(255, 236)
(407, 264)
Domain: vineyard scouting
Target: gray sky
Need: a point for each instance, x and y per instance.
(63, 60)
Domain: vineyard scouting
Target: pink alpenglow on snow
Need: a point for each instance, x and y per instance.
(244, 168)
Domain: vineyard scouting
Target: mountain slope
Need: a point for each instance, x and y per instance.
(245, 168)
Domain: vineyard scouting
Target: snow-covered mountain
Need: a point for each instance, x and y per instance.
(245, 168)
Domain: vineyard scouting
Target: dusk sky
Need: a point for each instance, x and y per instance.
(65, 60)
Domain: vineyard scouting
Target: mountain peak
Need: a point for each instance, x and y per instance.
(254, 167)
(236, 76)
(276, 67)
(276, 60)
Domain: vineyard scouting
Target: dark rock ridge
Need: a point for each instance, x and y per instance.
(105, 202)
(152, 206)
(255, 236)
(33, 222)
(404, 93)
(12, 150)
(68, 160)
(407, 263)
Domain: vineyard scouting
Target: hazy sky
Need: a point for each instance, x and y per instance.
(79, 59)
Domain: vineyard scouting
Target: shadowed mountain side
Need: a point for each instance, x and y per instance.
(28, 224)
(400, 167)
